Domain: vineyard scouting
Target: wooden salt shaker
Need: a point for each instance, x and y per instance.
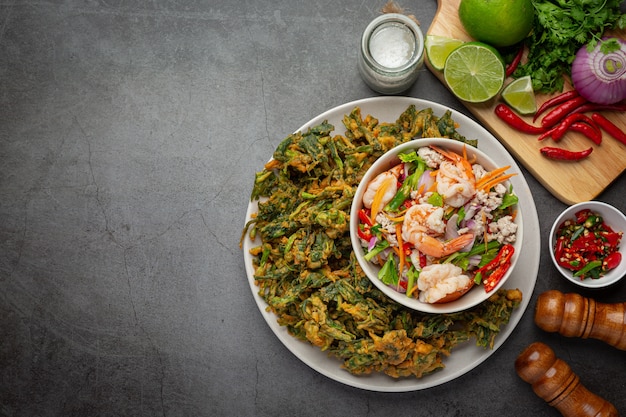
(573, 315)
(553, 380)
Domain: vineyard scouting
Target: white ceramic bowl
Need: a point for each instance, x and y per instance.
(477, 294)
(613, 218)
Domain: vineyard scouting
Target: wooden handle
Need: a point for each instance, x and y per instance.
(554, 381)
(573, 315)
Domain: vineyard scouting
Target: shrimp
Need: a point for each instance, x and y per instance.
(442, 283)
(455, 179)
(421, 226)
(386, 183)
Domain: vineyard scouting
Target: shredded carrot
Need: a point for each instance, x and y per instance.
(378, 197)
(492, 178)
(421, 189)
(492, 174)
(398, 219)
(497, 180)
(514, 215)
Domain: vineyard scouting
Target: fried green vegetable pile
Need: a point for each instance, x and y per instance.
(306, 270)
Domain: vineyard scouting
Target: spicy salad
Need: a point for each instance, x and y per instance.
(439, 223)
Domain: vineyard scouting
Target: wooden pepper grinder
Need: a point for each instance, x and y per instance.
(553, 380)
(573, 315)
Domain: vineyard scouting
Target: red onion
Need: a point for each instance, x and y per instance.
(452, 231)
(426, 180)
(452, 228)
(601, 77)
(372, 243)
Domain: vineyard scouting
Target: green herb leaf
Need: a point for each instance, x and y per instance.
(560, 29)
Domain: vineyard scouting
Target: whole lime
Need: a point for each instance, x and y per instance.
(497, 22)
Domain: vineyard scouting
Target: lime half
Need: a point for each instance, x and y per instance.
(520, 96)
(438, 48)
(474, 72)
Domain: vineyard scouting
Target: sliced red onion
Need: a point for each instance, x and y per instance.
(372, 243)
(452, 230)
(470, 211)
(426, 180)
(404, 173)
(601, 77)
(474, 260)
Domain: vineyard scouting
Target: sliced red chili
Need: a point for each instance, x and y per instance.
(365, 217)
(423, 260)
(611, 238)
(495, 277)
(365, 234)
(492, 272)
(612, 261)
(586, 245)
(582, 215)
(408, 248)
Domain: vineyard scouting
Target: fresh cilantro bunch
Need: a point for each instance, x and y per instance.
(561, 28)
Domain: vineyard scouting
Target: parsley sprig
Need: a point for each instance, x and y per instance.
(561, 27)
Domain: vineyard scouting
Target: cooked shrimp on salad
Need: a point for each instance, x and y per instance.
(439, 223)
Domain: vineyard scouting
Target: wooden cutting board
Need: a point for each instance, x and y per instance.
(569, 181)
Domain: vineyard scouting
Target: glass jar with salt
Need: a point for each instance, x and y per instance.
(391, 53)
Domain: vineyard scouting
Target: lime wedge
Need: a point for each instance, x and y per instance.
(438, 48)
(474, 72)
(520, 96)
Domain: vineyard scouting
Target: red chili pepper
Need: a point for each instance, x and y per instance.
(365, 217)
(564, 154)
(586, 243)
(560, 112)
(595, 107)
(590, 131)
(408, 248)
(492, 272)
(561, 98)
(506, 114)
(583, 215)
(609, 127)
(510, 69)
(423, 260)
(565, 124)
(364, 234)
(612, 261)
(611, 238)
(547, 133)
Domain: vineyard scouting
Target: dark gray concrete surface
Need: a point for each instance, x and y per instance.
(130, 132)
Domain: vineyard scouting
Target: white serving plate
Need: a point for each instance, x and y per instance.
(466, 356)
